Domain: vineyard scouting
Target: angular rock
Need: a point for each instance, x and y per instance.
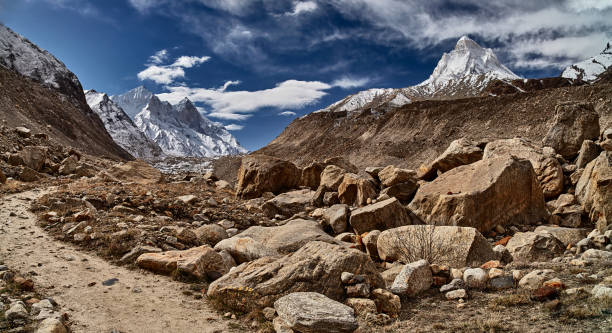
(311, 312)
(373, 171)
(34, 157)
(17, 311)
(459, 152)
(260, 173)
(288, 203)
(602, 292)
(501, 282)
(23, 132)
(311, 175)
(456, 294)
(362, 306)
(502, 254)
(475, 278)
(337, 217)
(2, 177)
(137, 172)
(445, 245)
(402, 191)
(332, 177)
(573, 123)
(413, 279)
(547, 168)
(528, 247)
(496, 191)
(595, 254)
(69, 165)
(380, 216)
(588, 152)
(29, 175)
(245, 249)
(370, 242)
(355, 190)
(280, 326)
(594, 190)
(315, 266)
(390, 274)
(137, 251)
(455, 284)
(566, 235)
(210, 234)
(51, 325)
(342, 163)
(535, 279)
(392, 175)
(199, 262)
(386, 301)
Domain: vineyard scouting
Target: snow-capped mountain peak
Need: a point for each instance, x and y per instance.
(589, 69)
(133, 101)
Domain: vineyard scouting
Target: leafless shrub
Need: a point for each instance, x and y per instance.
(421, 242)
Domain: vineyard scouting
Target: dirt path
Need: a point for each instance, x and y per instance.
(64, 274)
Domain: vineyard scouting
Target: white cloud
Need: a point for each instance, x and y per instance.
(287, 113)
(167, 74)
(349, 82)
(303, 7)
(159, 57)
(234, 127)
(188, 61)
(229, 83)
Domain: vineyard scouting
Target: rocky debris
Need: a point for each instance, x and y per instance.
(502, 254)
(312, 312)
(460, 152)
(260, 173)
(601, 291)
(199, 262)
(316, 266)
(588, 152)
(386, 301)
(288, 204)
(258, 241)
(34, 157)
(382, 215)
(547, 168)
(534, 280)
(17, 311)
(355, 190)
(413, 279)
(402, 191)
(137, 171)
(568, 236)
(527, 247)
(391, 175)
(573, 123)
(455, 284)
(594, 190)
(370, 242)
(336, 217)
(361, 306)
(69, 165)
(210, 234)
(311, 175)
(475, 278)
(595, 254)
(137, 251)
(606, 140)
(444, 245)
(29, 175)
(496, 191)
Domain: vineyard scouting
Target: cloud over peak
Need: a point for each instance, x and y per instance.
(167, 74)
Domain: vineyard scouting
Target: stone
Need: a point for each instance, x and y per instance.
(455, 284)
(330, 198)
(370, 242)
(51, 325)
(268, 313)
(490, 192)
(23, 132)
(34, 157)
(311, 312)
(595, 254)
(390, 274)
(373, 171)
(588, 152)
(265, 241)
(331, 178)
(534, 280)
(362, 306)
(355, 190)
(260, 173)
(460, 152)
(413, 279)
(446, 245)
(386, 301)
(69, 165)
(222, 184)
(456, 294)
(288, 204)
(210, 234)
(594, 191)
(137, 171)
(382, 215)
(475, 278)
(17, 311)
(528, 247)
(2, 177)
(548, 170)
(501, 282)
(311, 175)
(350, 278)
(280, 326)
(567, 216)
(602, 292)
(402, 191)
(545, 294)
(226, 224)
(336, 216)
(391, 175)
(187, 199)
(572, 124)
(361, 290)
(29, 175)
(200, 262)
(495, 272)
(502, 254)
(86, 170)
(227, 259)
(567, 236)
(315, 266)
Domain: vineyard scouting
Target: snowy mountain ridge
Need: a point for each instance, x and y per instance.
(121, 128)
(589, 69)
(133, 101)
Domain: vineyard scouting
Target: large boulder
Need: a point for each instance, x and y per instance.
(588, 152)
(447, 245)
(413, 279)
(568, 236)
(336, 217)
(210, 234)
(311, 175)
(484, 194)
(288, 203)
(547, 168)
(594, 190)
(342, 163)
(380, 216)
(355, 190)
(573, 123)
(311, 312)
(402, 191)
(332, 177)
(137, 172)
(316, 266)
(460, 152)
(260, 173)
(199, 262)
(528, 247)
(392, 175)
(69, 165)
(266, 241)
(34, 157)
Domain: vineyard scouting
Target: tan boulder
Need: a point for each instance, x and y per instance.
(568, 236)
(355, 190)
(594, 191)
(288, 203)
(34, 157)
(402, 191)
(137, 172)
(588, 152)
(547, 168)
(528, 247)
(342, 163)
(316, 266)
(392, 175)
(69, 165)
(490, 192)
(573, 123)
(446, 245)
(29, 175)
(260, 173)
(199, 262)
(382, 215)
(460, 152)
(210, 234)
(332, 177)
(311, 175)
(244, 249)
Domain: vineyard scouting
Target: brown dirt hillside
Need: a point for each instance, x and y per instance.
(418, 132)
(63, 117)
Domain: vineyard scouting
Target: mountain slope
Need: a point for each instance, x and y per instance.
(181, 131)
(39, 92)
(588, 70)
(133, 101)
(121, 128)
(464, 72)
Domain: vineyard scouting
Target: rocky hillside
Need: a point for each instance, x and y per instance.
(39, 92)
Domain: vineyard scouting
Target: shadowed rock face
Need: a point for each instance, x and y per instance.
(259, 174)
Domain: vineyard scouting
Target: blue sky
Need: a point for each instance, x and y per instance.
(255, 65)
